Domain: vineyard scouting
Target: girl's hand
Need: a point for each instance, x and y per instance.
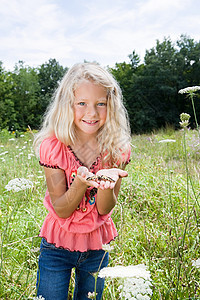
(83, 173)
(113, 173)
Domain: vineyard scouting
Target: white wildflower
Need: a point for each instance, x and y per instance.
(3, 153)
(39, 298)
(184, 119)
(135, 288)
(107, 247)
(12, 139)
(36, 249)
(30, 155)
(136, 281)
(189, 90)
(167, 141)
(92, 295)
(142, 297)
(184, 124)
(123, 272)
(18, 184)
(196, 263)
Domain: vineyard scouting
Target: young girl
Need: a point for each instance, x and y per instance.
(84, 148)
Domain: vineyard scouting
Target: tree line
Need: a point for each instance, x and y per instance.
(150, 88)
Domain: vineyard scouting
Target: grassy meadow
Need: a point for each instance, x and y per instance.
(157, 215)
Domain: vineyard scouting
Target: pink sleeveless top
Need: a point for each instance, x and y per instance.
(85, 229)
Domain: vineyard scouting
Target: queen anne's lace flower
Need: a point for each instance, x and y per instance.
(184, 119)
(92, 295)
(123, 272)
(136, 281)
(107, 247)
(18, 184)
(167, 141)
(39, 298)
(3, 153)
(36, 249)
(135, 288)
(190, 90)
(196, 263)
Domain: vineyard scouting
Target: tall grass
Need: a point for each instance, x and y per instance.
(157, 215)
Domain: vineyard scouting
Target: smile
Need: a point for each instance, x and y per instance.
(90, 122)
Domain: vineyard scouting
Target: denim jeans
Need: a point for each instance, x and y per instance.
(54, 272)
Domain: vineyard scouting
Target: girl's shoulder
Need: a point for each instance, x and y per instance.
(49, 143)
(52, 153)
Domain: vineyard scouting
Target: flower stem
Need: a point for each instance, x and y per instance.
(195, 116)
(96, 275)
(181, 253)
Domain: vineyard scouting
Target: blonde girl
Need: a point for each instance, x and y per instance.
(84, 146)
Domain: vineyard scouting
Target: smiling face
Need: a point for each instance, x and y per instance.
(90, 108)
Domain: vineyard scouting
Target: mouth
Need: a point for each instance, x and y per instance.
(90, 122)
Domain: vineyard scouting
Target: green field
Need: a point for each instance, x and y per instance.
(157, 215)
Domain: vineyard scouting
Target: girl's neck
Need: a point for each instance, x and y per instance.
(83, 139)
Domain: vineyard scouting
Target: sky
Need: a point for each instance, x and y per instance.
(105, 31)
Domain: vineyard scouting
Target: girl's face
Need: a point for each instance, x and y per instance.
(90, 108)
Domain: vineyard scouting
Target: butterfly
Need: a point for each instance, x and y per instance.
(100, 178)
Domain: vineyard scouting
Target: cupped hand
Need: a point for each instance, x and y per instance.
(114, 174)
(83, 173)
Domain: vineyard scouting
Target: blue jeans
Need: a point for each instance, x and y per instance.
(54, 272)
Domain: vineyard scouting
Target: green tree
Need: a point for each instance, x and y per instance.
(158, 80)
(188, 59)
(151, 88)
(49, 75)
(25, 96)
(7, 109)
(188, 66)
(126, 75)
(123, 74)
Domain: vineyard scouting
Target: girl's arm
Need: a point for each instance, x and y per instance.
(108, 191)
(65, 202)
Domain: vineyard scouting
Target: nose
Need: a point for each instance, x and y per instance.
(91, 110)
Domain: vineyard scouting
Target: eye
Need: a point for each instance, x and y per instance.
(81, 103)
(101, 104)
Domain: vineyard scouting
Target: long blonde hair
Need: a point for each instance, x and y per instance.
(113, 137)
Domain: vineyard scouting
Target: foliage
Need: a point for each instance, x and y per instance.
(151, 91)
(26, 92)
(49, 75)
(25, 96)
(7, 109)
